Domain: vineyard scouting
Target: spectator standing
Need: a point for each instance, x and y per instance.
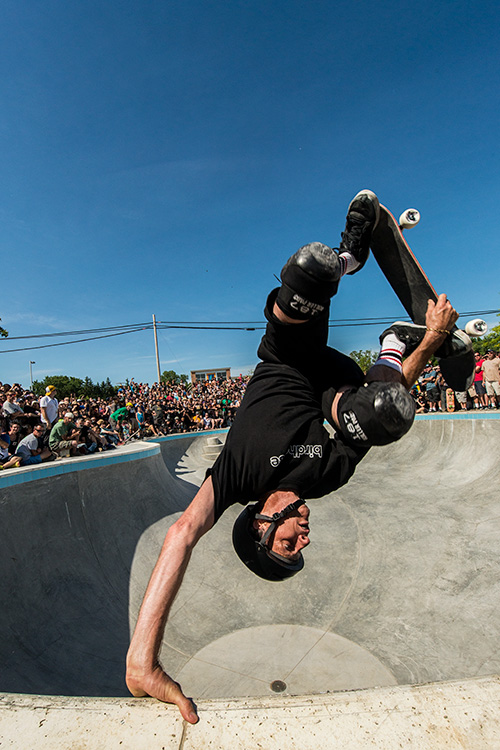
(480, 400)
(429, 381)
(491, 375)
(49, 407)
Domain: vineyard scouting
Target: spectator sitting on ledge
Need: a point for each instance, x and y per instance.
(28, 449)
(63, 436)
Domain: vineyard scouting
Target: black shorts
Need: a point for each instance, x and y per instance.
(433, 395)
(479, 388)
(304, 346)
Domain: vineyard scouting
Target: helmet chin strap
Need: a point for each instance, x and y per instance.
(273, 520)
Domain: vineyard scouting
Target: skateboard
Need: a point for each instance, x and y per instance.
(450, 399)
(406, 276)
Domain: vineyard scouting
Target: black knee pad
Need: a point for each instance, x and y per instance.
(376, 414)
(309, 278)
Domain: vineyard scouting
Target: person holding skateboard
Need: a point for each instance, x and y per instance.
(278, 453)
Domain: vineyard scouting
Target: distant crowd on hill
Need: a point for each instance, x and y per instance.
(35, 429)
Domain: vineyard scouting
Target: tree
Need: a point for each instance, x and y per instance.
(490, 341)
(68, 386)
(170, 376)
(365, 358)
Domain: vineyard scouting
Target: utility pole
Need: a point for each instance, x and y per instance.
(156, 349)
(32, 362)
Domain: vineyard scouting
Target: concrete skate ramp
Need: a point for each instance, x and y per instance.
(401, 584)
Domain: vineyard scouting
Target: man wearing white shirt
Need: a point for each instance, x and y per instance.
(49, 407)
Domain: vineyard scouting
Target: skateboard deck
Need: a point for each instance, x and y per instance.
(450, 399)
(406, 276)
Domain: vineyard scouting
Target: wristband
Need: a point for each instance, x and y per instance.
(439, 330)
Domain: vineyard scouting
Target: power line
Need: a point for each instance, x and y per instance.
(63, 343)
(134, 326)
(111, 331)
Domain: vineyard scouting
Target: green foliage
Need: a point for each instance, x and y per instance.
(365, 358)
(170, 376)
(70, 386)
(490, 341)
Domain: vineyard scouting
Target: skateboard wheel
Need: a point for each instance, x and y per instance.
(409, 218)
(476, 327)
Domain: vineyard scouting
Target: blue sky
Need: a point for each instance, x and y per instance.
(167, 158)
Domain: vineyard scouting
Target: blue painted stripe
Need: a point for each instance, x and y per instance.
(33, 473)
(179, 435)
(477, 414)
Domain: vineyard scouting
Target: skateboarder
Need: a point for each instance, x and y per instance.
(278, 453)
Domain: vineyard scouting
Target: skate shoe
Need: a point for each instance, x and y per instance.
(458, 343)
(362, 217)
(309, 278)
(410, 334)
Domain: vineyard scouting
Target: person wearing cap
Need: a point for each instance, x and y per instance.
(124, 412)
(49, 407)
(278, 453)
(63, 435)
(432, 392)
(124, 416)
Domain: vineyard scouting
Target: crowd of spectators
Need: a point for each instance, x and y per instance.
(432, 394)
(35, 429)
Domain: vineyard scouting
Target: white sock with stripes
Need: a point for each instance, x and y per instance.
(391, 352)
(348, 263)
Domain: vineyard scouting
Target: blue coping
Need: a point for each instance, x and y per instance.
(475, 414)
(66, 466)
(178, 435)
(13, 477)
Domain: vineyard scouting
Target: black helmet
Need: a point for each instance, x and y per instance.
(255, 553)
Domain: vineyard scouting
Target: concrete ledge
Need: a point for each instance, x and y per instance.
(122, 454)
(462, 714)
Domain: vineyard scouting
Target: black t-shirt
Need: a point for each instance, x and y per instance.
(278, 442)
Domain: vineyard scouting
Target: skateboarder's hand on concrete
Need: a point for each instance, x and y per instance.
(159, 685)
(440, 316)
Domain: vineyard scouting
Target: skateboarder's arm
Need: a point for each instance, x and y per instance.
(440, 317)
(145, 675)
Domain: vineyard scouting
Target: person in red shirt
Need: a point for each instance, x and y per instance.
(479, 393)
